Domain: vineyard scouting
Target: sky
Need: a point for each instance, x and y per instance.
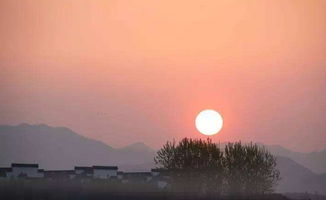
(139, 70)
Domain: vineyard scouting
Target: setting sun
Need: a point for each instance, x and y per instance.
(209, 122)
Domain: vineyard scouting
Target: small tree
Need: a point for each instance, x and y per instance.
(166, 156)
(196, 165)
(250, 169)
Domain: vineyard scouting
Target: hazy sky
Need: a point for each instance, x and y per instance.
(140, 70)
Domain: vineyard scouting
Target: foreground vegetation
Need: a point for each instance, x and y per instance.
(101, 190)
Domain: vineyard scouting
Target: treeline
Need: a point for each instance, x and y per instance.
(202, 167)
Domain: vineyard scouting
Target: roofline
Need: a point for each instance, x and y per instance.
(82, 167)
(106, 167)
(24, 165)
(158, 170)
(137, 173)
(6, 169)
(59, 171)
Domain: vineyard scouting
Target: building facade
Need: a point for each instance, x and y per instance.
(105, 172)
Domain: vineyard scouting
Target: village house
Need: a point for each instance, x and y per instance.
(140, 177)
(40, 173)
(105, 172)
(120, 175)
(5, 172)
(84, 171)
(158, 177)
(24, 170)
(59, 174)
(155, 172)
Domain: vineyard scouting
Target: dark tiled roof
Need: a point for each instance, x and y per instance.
(106, 167)
(59, 171)
(24, 165)
(5, 169)
(82, 168)
(85, 170)
(135, 174)
(159, 170)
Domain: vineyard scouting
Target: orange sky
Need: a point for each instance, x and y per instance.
(139, 70)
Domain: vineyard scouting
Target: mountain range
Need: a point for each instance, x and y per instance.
(315, 161)
(62, 148)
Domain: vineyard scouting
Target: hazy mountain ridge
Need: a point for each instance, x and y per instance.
(61, 148)
(315, 161)
(297, 178)
(137, 146)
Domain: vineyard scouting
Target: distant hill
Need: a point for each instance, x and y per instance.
(315, 161)
(296, 178)
(138, 147)
(61, 148)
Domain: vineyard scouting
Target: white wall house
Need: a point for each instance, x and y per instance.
(84, 171)
(162, 184)
(137, 177)
(155, 172)
(5, 173)
(40, 173)
(25, 170)
(59, 174)
(161, 177)
(104, 172)
(120, 175)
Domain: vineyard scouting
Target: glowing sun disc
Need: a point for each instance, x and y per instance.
(209, 122)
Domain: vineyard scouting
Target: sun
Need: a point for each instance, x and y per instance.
(209, 122)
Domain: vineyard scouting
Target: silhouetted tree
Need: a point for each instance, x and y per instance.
(200, 166)
(249, 169)
(196, 165)
(166, 156)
